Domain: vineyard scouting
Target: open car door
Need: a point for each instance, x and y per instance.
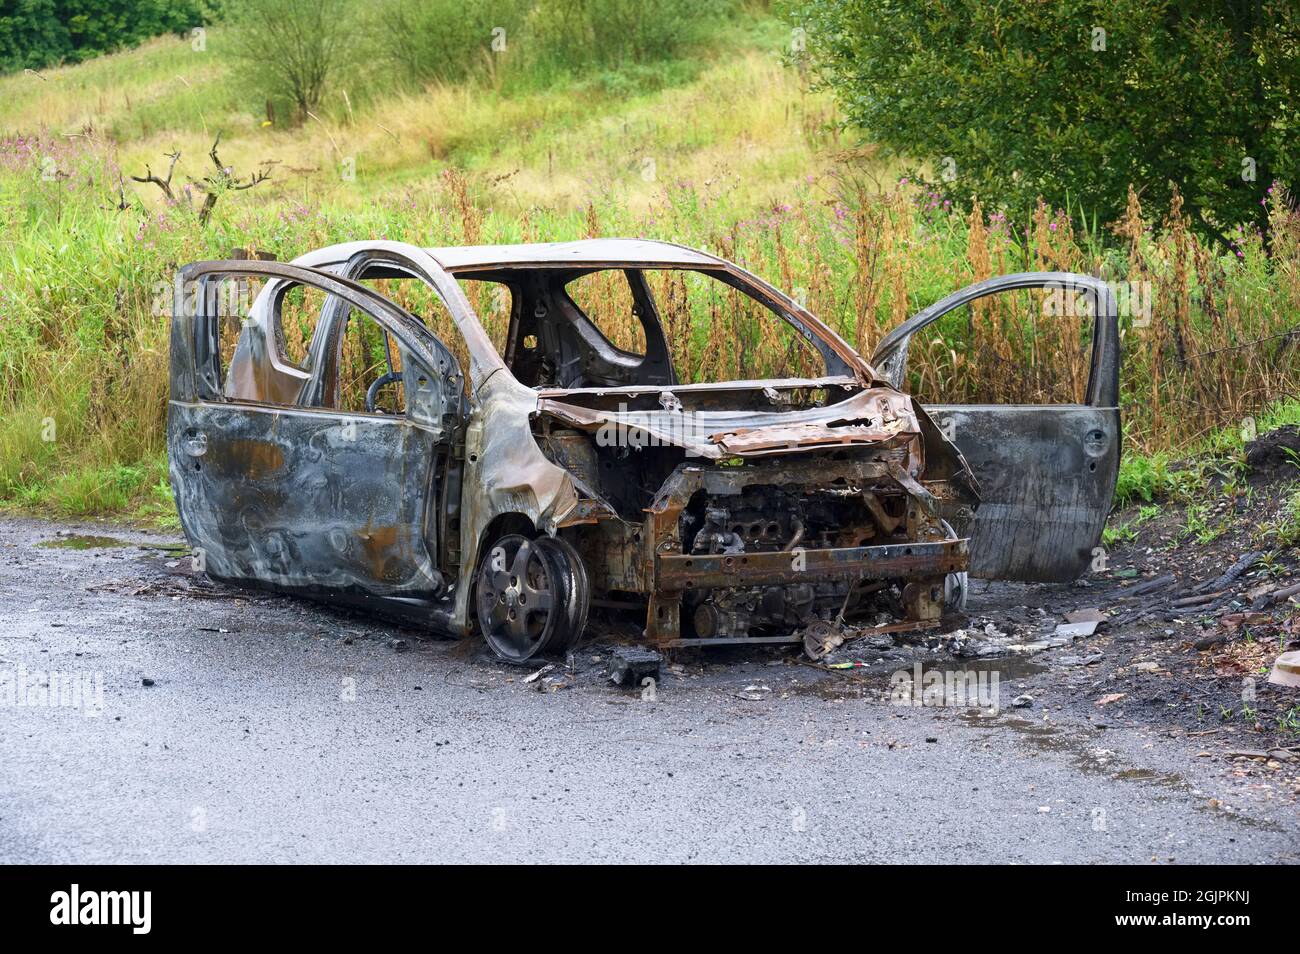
(286, 485)
(1047, 473)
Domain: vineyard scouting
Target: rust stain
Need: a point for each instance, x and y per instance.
(259, 459)
(382, 552)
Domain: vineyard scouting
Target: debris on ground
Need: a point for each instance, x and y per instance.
(1286, 670)
(628, 665)
(1076, 630)
(979, 638)
(1089, 615)
(1201, 598)
(539, 673)
(1091, 659)
(822, 637)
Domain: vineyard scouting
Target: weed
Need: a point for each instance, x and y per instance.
(1282, 530)
(1127, 532)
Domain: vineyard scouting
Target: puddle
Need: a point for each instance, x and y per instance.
(82, 541)
(174, 549)
(834, 689)
(1148, 775)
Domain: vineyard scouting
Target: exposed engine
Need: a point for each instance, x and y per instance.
(757, 532)
(773, 519)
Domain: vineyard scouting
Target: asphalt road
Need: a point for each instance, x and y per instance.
(280, 731)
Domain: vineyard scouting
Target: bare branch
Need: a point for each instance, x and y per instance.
(221, 179)
(224, 180)
(164, 184)
(216, 160)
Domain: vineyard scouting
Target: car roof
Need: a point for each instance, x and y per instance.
(645, 253)
(620, 251)
(588, 254)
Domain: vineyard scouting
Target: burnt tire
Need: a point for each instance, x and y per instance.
(521, 598)
(577, 597)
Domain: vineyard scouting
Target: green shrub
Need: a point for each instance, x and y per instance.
(530, 43)
(577, 36)
(38, 33)
(449, 40)
(1074, 100)
(289, 50)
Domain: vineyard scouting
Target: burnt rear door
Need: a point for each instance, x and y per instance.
(1046, 472)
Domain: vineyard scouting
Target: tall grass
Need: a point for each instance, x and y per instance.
(555, 143)
(510, 45)
(530, 44)
(83, 372)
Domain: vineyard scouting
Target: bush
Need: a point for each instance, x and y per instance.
(1074, 100)
(537, 41)
(448, 40)
(290, 49)
(581, 35)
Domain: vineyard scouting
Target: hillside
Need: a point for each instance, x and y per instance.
(736, 111)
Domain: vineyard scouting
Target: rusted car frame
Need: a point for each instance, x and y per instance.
(732, 512)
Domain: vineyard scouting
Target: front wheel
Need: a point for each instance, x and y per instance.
(520, 598)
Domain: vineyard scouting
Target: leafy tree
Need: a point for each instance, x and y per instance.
(38, 33)
(290, 49)
(30, 36)
(1073, 100)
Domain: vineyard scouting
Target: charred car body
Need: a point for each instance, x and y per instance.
(562, 472)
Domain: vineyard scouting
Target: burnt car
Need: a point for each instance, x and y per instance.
(513, 487)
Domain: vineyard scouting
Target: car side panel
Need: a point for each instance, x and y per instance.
(301, 499)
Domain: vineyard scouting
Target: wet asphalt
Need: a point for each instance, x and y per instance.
(276, 730)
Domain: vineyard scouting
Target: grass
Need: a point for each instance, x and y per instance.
(1200, 526)
(723, 148)
(1127, 532)
(1184, 471)
(1284, 529)
(584, 136)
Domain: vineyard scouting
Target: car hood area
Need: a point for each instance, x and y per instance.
(747, 419)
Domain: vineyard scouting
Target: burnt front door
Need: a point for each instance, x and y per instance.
(1046, 473)
(311, 492)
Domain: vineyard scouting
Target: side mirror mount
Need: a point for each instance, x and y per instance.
(434, 396)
